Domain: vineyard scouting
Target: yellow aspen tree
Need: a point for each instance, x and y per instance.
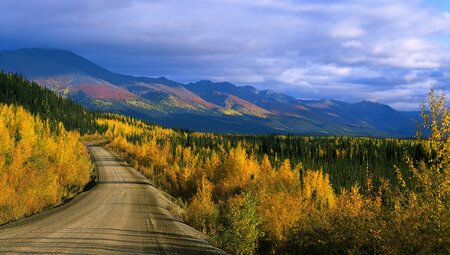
(279, 212)
(202, 212)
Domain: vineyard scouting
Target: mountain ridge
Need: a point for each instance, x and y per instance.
(203, 105)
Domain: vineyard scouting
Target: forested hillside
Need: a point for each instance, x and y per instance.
(16, 90)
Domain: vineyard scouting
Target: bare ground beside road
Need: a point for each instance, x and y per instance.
(123, 214)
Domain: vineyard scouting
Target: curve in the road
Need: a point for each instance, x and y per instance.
(123, 214)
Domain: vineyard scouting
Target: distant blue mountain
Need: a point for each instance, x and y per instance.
(204, 105)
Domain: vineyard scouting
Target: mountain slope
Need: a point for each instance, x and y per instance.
(14, 90)
(36, 63)
(204, 105)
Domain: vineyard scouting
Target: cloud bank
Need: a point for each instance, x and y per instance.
(390, 51)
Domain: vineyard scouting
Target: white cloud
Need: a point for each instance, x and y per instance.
(352, 44)
(346, 29)
(314, 73)
(292, 76)
(334, 70)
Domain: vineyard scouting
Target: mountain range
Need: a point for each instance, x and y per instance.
(205, 105)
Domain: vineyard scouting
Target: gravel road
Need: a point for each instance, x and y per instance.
(123, 214)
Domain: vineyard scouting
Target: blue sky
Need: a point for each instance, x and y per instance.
(390, 51)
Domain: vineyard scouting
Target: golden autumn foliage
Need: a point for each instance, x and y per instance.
(249, 205)
(394, 219)
(38, 168)
(279, 212)
(202, 212)
(317, 190)
(213, 182)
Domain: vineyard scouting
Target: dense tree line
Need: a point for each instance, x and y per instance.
(14, 89)
(347, 159)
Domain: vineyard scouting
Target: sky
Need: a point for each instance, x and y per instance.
(389, 51)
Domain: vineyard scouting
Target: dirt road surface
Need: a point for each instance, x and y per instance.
(123, 214)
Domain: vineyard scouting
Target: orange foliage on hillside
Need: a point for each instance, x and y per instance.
(105, 91)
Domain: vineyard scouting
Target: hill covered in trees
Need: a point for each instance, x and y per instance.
(40, 101)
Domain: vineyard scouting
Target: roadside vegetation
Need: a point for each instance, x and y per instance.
(39, 168)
